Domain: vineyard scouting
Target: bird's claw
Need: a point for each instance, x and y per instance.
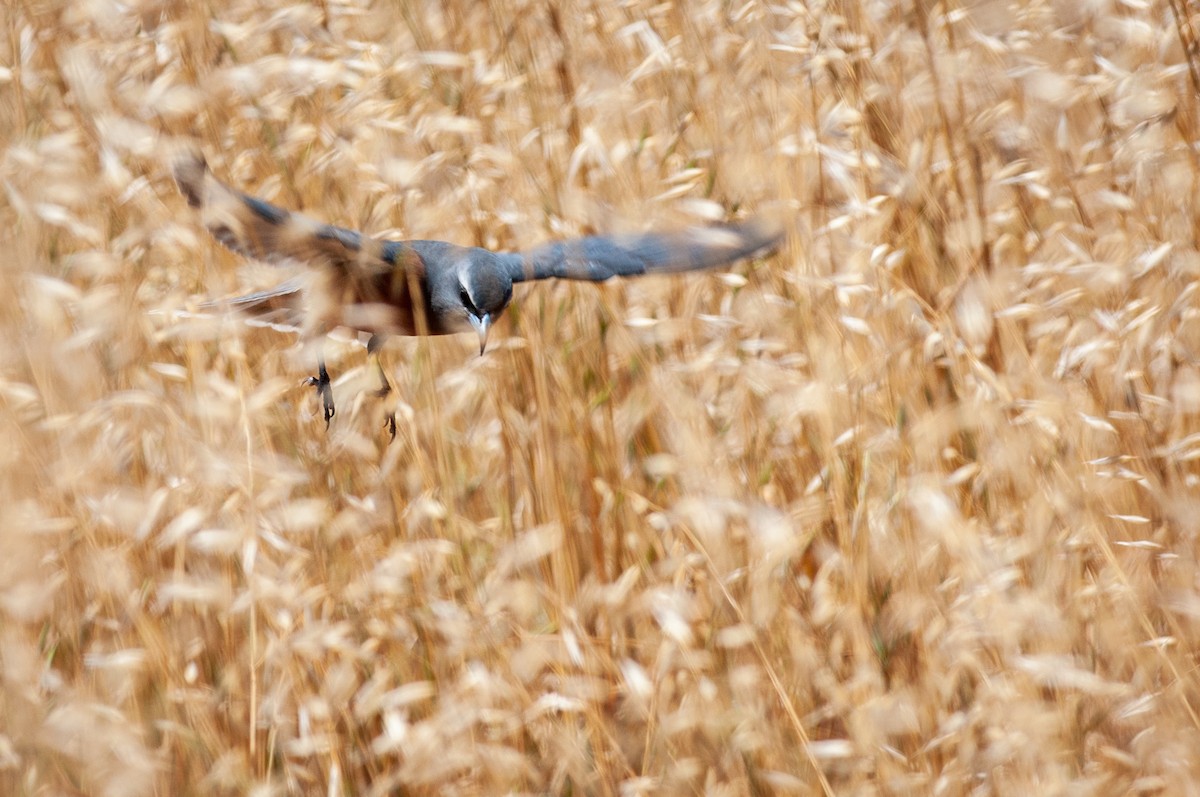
(390, 423)
(325, 391)
(383, 392)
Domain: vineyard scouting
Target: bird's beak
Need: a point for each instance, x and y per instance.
(482, 325)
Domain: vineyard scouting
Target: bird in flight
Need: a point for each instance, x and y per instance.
(384, 288)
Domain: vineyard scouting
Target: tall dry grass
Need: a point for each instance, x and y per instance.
(908, 508)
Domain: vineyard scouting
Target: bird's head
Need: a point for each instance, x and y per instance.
(482, 291)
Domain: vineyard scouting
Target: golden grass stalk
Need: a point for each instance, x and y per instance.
(909, 507)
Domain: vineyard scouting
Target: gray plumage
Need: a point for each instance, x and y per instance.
(427, 287)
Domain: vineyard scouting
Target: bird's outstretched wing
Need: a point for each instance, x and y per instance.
(598, 258)
(258, 229)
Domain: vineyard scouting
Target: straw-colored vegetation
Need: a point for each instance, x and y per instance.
(910, 507)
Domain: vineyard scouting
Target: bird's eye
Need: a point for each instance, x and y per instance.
(465, 298)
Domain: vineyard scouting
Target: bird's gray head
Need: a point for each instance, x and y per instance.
(474, 294)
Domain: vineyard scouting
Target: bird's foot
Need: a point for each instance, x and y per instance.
(325, 391)
(389, 422)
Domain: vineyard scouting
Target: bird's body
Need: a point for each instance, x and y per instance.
(425, 287)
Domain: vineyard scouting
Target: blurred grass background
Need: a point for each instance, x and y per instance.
(907, 508)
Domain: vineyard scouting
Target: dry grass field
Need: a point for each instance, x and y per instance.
(910, 507)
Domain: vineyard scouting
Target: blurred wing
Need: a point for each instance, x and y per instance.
(598, 258)
(258, 229)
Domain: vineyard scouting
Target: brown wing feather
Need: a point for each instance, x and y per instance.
(359, 281)
(258, 229)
